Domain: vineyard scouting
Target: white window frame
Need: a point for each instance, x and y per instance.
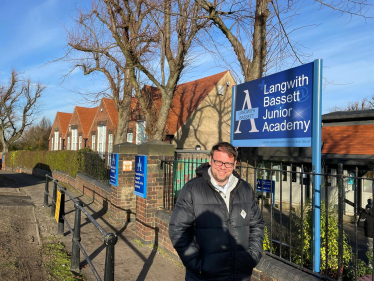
(56, 141)
(129, 137)
(60, 143)
(80, 142)
(52, 144)
(110, 147)
(93, 142)
(74, 138)
(141, 135)
(68, 147)
(101, 135)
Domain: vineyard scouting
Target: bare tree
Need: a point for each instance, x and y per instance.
(90, 47)
(259, 31)
(18, 108)
(35, 137)
(363, 104)
(134, 36)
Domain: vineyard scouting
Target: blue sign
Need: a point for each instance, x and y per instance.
(113, 177)
(141, 175)
(274, 111)
(269, 185)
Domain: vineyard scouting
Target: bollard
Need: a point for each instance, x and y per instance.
(110, 240)
(75, 252)
(61, 221)
(53, 208)
(46, 192)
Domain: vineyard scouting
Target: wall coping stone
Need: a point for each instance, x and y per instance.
(156, 148)
(125, 148)
(163, 215)
(95, 182)
(282, 271)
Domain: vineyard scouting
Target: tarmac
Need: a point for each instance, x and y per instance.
(133, 261)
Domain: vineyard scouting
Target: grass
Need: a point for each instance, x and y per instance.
(57, 261)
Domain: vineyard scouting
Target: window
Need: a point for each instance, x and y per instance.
(60, 144)
(101, 135)
(51, 143)
(140, 132)
(368, 182)
(129, 137)
(74, 136)
(68, 143)
(56, 141)
(80, 142)
(93, 142)
(110, 147)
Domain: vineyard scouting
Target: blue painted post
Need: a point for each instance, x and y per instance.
(233, 112)
(316, 158)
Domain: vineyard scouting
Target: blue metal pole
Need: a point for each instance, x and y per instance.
(233, 99)
(316, 158)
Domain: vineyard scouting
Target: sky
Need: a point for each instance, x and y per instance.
(33, 35)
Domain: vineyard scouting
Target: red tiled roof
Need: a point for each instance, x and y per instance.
(355, 139)
(86, 117)
(186, 99)
(112, 111)
(64, 119)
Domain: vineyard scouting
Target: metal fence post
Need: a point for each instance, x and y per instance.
(61, 221)
(53, 209)
(340, 220)
(110, 240)
(75, 252)
(46, 192)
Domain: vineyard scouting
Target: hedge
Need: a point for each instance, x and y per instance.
(67, 161)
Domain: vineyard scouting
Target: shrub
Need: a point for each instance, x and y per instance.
(67, 161)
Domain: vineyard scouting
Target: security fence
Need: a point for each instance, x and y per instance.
(286, 196)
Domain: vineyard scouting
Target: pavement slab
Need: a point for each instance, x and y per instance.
(133, 261)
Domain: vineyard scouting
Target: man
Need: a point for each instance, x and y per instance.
(366, 216)
(217, 227)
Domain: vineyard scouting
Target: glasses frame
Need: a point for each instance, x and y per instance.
(223, 163)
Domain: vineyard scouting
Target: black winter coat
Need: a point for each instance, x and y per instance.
(213, 243)
(368, 218)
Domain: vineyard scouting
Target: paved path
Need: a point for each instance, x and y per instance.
(133, 261)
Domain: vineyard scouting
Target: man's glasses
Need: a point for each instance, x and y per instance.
(218, 163)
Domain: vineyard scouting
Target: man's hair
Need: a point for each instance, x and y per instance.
(225, 147)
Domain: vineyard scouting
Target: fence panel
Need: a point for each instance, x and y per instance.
(288, 211)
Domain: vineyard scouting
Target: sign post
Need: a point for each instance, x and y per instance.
(141, 176)
(113, 177)
(283, 110)
(316, 159)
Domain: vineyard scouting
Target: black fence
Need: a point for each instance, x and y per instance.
(286, 196)
(97, 166)
(110, 239)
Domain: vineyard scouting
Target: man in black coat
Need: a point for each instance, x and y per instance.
(216, 226)
(367, 216)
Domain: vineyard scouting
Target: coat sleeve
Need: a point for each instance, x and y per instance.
(256, 234)
(181, 231)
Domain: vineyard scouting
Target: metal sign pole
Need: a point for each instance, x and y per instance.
(316, 158)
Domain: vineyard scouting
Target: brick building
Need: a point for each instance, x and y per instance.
(59, 130)
(200, 115)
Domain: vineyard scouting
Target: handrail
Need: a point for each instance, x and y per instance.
(110, 239)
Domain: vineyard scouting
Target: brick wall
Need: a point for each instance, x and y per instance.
(146, 208)
(123, 203)
(99, 192)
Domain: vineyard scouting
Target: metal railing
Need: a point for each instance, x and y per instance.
(110, 239)
(289, 209)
